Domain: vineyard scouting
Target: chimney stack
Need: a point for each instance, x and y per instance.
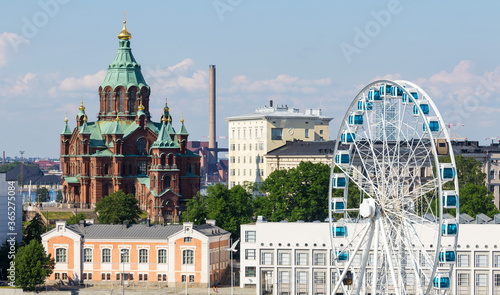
(271, 103)
(212, 145)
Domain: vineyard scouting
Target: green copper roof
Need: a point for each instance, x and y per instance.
(84, 129)
(164, 139)
(116, 128)
(124, 70)
(183, 130)
(66, 130)
(170, 129)
(71, 179)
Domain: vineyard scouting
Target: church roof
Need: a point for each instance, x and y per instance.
(124, 70)
(66, 130)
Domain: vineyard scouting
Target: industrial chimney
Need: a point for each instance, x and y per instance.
(212, 145)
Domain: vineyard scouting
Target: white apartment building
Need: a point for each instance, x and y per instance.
(252, 136)
(295, 258)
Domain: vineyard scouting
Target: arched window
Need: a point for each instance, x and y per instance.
(167, 182)
(141, 147)
(106, 169)
(106, 255)
(87, 255)
(162, 256)
(188, 257)
(143, 256)
(132, 101)
(120, 101)
(124, 255)
(110, 104)
(61, 255)
(170, 159)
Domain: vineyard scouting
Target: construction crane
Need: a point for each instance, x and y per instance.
(493, 138)
(455, 138)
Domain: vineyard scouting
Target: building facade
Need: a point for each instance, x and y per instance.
(91, 253)
(283, 258)
(252, 136)
(125, 150)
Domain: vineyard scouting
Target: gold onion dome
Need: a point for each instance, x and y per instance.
(66, 119)
(124, 34)
(141, 107)
(85, 118)
(182, 118)
(163, 119)
(81, 108)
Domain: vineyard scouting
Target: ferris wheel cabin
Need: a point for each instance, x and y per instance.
(449, 228)
(338, 205)
(446, 171)
(342, 158)
(433, 125)
(374, 95)
(424, 109)
(342, 255)
(339, 180)
(347, 137)
(447, 256)
(396, 92)
(385, 90)
(442, 282)
(355, 119)
(450, 199)
(339, 230)
(364, 105)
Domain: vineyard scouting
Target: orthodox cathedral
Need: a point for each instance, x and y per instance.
(125, 150)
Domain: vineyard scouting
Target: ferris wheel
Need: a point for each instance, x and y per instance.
(393, 202)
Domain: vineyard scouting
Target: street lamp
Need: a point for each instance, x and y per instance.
(232, 249)
(122, 254)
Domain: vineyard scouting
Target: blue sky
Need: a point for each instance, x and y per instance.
(305, 54)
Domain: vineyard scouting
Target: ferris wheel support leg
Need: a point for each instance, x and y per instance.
(375, 260)
(366, 254)
(389, 260)
(351, 259)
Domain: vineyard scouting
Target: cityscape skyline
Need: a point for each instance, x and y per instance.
(304, 55)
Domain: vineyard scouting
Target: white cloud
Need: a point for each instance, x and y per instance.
(281, 84)
(86, 83)
(18, 86)
(181, 76)
(9, 42)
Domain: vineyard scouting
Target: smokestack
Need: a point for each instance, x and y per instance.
(271, 103)
(211, 108)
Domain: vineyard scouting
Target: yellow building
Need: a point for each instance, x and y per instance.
(252, 136)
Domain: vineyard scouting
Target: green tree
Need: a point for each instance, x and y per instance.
(299, 193)
(473, 193)
(7, 251)
(229, 207)
(197, 211)
(117, 207)
(59, 197)
(42, 194)
(34, 230)
(75, 219)
(33, 265)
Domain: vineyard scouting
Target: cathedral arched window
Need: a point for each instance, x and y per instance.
(120, 101)
(106, 170)
(110, 104)
(162, 160)
(141, 147)
(132, 101)
(167, 182)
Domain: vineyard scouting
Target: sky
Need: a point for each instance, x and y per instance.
(304, 54)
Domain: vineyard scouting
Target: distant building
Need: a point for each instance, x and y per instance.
(210, 173)
(47, 164)
(125, 150)
(279, 258)
(489, 156)
(293, 152)
(11, 208)
(35, 176)
(171, 254)
(252, 136)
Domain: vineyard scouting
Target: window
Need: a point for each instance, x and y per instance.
(250, 254)
(492, 174)
(188, 257)
(463, 279)
(496, 279)
(284, 258)
(120, 102)
(321, 132)
(105, 276)
(141, 168)
(302, 259)
(57, 276)
(191, 278)
(250, 236)
(319, 258)
(481, 260)
(110, 103)
(232, 132)
(141, 147)
(87, 255)
(188, 240)
(266, 258)
(143, 256)
(87, 276)
(64, 276)
(250, 271)
(183, 278)
(463, 260)
(162, 277)
(302, 277)
(61, 255)
(132, 101)
(162, 256)
(307, 133)
(143, 277)
(106, 255)
(496, 260)
(276, 133)
(481, 279)
(124, 255)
